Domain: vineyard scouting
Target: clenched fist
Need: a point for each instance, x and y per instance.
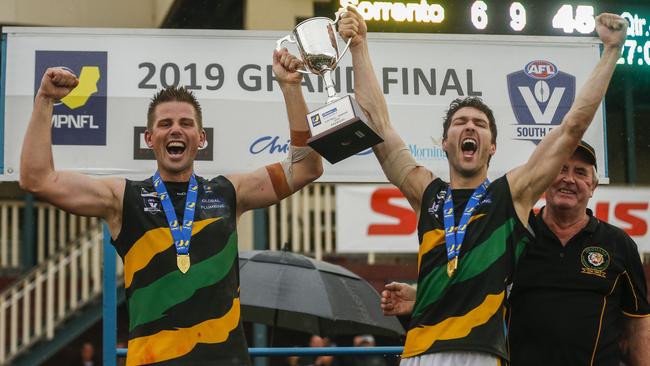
(611, 29)
(285, 67)
(352, 26)
(57, 83)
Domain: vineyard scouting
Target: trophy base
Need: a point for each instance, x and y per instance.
(340, 130)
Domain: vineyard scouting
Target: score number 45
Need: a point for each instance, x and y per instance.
(583, 22)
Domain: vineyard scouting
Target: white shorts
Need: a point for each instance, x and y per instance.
(453, 358)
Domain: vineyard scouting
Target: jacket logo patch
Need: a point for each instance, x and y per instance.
(595, 261)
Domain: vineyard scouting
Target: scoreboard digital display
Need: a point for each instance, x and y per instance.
(532, 17)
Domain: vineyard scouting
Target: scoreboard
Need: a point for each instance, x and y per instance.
(526, 17)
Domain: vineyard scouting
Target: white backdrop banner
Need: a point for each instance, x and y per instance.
(530, 82)
(377, 218)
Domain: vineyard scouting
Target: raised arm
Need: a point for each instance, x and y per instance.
(529, 181)
(395, 158)
(72, 192)
(270, 184)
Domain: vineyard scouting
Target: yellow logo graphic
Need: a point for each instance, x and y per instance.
(79, 96)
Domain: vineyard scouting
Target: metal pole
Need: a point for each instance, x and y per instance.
(629, 132)
(260, 242)
(3, 78)
(109, 342)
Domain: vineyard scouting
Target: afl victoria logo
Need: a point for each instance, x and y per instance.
(540, 96)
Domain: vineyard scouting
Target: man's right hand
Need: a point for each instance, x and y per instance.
(398, 299)
(352, 25)
(57, 83)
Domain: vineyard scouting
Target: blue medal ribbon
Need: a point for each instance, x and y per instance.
(183, 233)
(454, 235)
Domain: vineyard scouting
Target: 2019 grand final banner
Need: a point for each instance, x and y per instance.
(530, 82)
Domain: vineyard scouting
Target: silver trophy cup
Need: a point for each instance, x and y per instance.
(340, 128)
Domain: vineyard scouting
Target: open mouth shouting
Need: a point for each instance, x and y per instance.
(468, 146)
(175, 149)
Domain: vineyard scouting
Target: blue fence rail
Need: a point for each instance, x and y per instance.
(312, 351)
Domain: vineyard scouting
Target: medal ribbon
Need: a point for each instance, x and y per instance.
(181, 235)
(454, 235)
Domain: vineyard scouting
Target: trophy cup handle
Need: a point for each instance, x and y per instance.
(279, 42)
(347, 44)
(278, 47)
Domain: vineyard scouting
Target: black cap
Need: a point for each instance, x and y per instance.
(588, 152)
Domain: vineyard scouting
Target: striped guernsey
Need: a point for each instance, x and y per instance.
(176, 318)
(465, 312)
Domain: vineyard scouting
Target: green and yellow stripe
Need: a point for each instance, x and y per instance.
(435, 237)
(420, 339)
(151, 243)
(475, 262)
(146, 304)
(170, 344)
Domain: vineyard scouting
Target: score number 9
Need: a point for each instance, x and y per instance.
(480, 18)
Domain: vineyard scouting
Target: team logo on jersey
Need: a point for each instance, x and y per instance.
(151, 201)
(80, 117)
(540, 96)
(438, 203)
(595, 261)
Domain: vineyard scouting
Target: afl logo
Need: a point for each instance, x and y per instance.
(540, 69)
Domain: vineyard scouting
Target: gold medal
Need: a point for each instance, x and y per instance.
(451, 266)
(183, 262)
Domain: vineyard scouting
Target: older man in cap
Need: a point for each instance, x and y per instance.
(581, 284)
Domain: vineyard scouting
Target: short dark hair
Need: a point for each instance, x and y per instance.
(174, 94)
(473, 102)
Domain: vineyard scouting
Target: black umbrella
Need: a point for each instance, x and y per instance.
(288, 290)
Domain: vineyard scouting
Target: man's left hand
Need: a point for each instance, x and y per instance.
(611, 29)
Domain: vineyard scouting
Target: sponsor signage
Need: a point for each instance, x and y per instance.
(97, 130)
(80, 117)
(377, 218)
